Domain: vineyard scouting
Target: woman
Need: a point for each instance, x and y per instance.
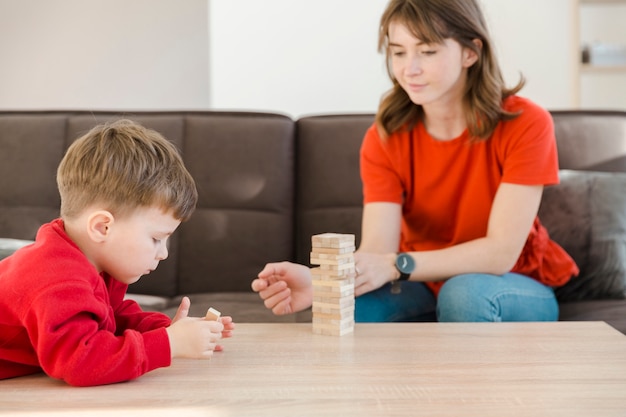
(453, 172)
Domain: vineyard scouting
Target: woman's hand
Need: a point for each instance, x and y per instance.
(285, 287)
(373, 271)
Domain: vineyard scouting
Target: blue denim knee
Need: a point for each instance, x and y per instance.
(485, 297)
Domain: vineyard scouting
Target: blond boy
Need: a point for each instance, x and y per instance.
(124, 190)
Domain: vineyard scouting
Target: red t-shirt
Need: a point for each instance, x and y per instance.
(59, 315)
(446, 188)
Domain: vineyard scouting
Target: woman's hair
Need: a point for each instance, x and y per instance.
(433, 21)
(124, 166)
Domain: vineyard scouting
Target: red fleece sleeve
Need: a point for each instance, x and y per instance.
(76, 340)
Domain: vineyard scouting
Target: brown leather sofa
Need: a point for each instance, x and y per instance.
(267, 183)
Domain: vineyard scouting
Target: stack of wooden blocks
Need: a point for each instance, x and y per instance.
(333, 283)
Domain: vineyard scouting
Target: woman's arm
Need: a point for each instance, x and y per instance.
(380, 240)
(512, 214)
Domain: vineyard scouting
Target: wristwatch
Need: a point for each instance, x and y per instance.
(405, 264)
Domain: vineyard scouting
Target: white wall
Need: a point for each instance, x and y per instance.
(296, 57)
(320, 57)
(287, 56)
(103, 54)
(534, 38)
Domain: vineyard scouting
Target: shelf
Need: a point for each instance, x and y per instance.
(602, 68)
(602, 1)
(598, 85)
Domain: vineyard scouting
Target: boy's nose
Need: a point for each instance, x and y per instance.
(162, 253)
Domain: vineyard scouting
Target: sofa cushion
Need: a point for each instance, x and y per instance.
(586, 214)
(243, 165)
(611, 311)
(242, 307)
(32, 146)
(329, 193)
(8, 246)
(149, 302)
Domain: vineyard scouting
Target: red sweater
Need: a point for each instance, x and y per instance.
(59, 315)
(446, 188)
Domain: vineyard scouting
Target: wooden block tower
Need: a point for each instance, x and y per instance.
(333, 283)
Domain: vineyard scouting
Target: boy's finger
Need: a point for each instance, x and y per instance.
(183, 309)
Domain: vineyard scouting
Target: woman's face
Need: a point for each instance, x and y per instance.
(431, 74)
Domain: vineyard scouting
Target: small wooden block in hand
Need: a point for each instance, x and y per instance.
(212, 314)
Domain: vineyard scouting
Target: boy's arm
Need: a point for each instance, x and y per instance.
(128, 313)
(77, 339)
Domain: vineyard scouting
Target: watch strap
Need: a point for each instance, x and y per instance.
(403, 276)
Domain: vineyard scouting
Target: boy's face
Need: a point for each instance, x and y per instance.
(136, 243)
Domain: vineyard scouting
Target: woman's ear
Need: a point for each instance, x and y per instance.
(470, 56)
(99, 225)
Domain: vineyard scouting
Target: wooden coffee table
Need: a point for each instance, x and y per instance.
(430, 369)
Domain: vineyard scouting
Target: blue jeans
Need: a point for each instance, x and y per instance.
(463, 298)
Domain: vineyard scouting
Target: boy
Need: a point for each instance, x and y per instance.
(124, 190)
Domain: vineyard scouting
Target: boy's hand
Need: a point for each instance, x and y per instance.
(183, 309)
(194, 337)
(214, 315)
(229, 326)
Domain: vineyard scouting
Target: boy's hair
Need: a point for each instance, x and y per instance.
(433, 21)
(123, 166)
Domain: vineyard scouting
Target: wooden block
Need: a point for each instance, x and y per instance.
(333, 274)
(337, 273)
(347, 322)
(334, 330)
(327, 295)
(333, 237)
(347, 258)
(212, 314)
(337, 267)
(332, 240)
(333, 303)
(330, 275)
(336, 315)
(332, 283)
(333, 324)
(333, 292)
(321, 308)
(334, 251)
(336, 291)
(332, 256)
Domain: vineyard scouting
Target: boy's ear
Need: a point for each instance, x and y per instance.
(99, 225)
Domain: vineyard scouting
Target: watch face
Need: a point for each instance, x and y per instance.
(405, 263)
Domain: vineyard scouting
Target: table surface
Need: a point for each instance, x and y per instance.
(431, 369)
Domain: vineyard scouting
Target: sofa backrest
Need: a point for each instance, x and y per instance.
(591, 140)
(329, 195)
(243, 164)
(31, 146)
(266, 183)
